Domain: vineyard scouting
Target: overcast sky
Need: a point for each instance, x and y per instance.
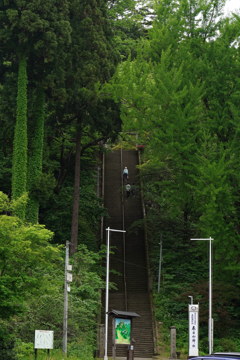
(232, 5)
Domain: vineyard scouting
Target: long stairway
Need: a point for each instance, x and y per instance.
(128, 269)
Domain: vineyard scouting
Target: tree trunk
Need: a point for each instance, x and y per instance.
(76, 196)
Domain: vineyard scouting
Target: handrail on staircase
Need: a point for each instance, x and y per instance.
(123, 234)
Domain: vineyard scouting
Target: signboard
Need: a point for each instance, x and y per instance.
(193, 313)
(122, 331)
(69, 277)
(43, 339)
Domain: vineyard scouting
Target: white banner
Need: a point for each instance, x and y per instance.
(193, 316)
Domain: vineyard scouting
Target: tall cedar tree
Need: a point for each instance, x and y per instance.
(91, 64)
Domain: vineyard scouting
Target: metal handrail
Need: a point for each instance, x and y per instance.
(124, 236)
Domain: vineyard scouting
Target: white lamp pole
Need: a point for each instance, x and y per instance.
(107, 289)
(160, 266)
(210, 319)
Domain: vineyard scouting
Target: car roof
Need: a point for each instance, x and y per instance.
(220, 356)
(230, 354)
(227, 353)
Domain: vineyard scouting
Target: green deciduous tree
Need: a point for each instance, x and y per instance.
(179, 98)
(26, 257)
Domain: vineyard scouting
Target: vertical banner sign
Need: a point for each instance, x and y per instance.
(193, 314)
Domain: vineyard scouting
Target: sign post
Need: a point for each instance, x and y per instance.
(210, 319)
(43, 340)
(193, 316)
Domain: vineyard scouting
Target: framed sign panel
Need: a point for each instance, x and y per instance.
(43, 339)
(122, 331)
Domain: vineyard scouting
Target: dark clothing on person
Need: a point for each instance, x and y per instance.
(125, 174)
(128, 189)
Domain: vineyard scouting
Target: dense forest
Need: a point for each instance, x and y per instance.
(75, 75)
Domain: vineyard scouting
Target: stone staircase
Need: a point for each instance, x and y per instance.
(129, 258)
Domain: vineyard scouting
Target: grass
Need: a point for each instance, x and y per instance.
(54, 355)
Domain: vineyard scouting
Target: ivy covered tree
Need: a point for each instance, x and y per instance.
(20, 145)
(31, 31)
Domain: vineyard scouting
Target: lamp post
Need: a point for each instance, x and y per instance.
(107, 289)
(210, 320)
(67, 281)
(191, 299)
(160, 266)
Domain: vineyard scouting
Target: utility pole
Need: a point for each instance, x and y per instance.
(68, 279)
(107, 288)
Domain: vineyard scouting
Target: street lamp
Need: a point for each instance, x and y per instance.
(107, 288)
(210, 320)
(67, 281)
(191, 299)
(160, 265)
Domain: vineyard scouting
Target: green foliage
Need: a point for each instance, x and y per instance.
(179, 91)
(84, 303)
(19, 170)
(42, 189)
(35, 158)
(81, 350)
(179, 99)
(35, 27)
(227, 344)
(31, 279)
(130, 21)
(25, 257)
(23, 350)
(6, 343)
(4, 202)
(85, 294)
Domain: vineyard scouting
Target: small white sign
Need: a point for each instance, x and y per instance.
(43, 339)
(69, 277)
(69, 267)
(193, 313)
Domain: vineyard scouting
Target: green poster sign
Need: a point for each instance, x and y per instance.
(122, 331)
